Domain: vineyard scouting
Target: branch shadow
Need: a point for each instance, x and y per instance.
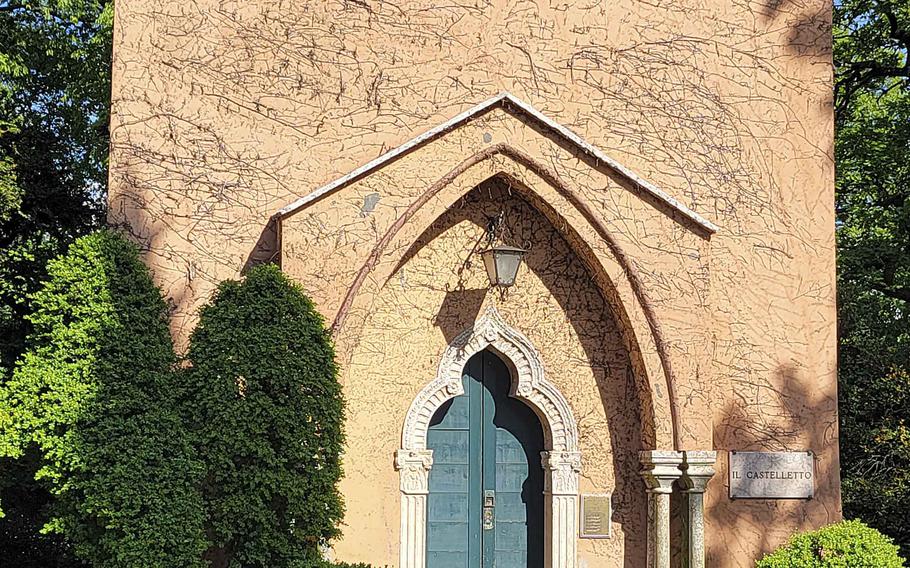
(786, 414)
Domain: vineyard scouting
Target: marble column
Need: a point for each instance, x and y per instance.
(697, 471)
(414, 470)
(660, 468)
(561, 471)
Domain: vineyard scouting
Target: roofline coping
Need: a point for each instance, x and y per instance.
(498, 100)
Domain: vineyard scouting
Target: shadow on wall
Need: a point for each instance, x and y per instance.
(266, 249)
(461, 305)
(808, 27)
(458, 311)
(149, 233)
(784, 414)
(566, 277)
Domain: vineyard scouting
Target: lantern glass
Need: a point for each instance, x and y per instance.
(502, 264)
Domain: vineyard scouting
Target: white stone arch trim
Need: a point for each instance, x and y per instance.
(528, 384)
(561, 459)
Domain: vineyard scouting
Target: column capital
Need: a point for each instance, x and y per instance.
(563, 469)
(660, 468)
(414, 467)
(554, 458)
(697, 469)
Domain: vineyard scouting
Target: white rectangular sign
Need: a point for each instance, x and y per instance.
(772, 475)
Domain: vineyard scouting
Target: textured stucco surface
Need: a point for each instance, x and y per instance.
(224, 112)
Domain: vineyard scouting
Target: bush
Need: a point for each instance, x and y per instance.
(266, 411)
(848, 544)
(94, 396)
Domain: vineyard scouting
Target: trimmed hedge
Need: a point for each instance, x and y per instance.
(266, 413)
(95, 395)
(848, 544)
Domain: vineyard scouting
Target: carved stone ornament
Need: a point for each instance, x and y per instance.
(660, 468)
(414, 470)
(562, 472)
(529, 384)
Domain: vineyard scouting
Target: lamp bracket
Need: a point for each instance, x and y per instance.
(495, 227)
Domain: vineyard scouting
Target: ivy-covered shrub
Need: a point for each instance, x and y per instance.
(266, 411)
(94, 395)
(848, 544)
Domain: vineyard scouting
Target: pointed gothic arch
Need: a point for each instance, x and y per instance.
(637, 312)
(424, 190)
(629, 297)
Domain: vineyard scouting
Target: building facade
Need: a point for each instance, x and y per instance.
(666, 166)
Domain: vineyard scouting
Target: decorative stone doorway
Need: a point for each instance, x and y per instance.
(561, 459)
(485, 501)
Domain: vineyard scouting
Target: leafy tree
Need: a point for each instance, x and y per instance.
(871, 41)
(27, 506)
(267, 413)
(872, 38)
(54, 96)
(875, 406)
(94, 395)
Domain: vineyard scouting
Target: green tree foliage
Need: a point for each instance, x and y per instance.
(267, 413)
(875, 408)
(848, 544)
(94, 395)
(872, 39)
(54, 96)
(23, 546)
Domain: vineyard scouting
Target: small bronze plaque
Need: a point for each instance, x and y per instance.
(595, 516)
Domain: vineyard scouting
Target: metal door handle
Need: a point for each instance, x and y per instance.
(489, 507)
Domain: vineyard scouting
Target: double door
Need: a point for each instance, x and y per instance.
(485, 502)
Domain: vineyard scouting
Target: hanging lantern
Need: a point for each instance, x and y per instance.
(502, 264)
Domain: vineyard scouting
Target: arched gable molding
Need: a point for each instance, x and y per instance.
(561, 460)
(647, 335)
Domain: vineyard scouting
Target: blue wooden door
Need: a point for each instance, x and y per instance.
(485, 507)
